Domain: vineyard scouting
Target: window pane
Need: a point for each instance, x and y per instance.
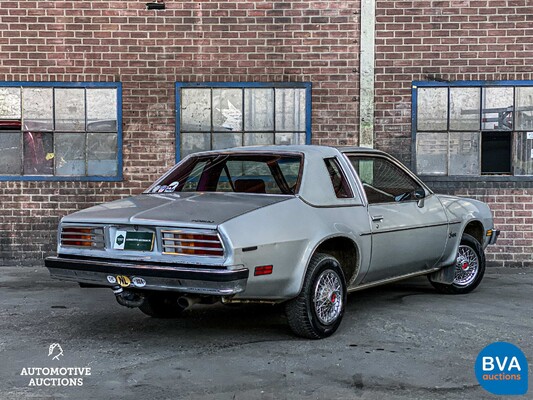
(383, 181)
(195, 110)
(227, 109)
(290, 109)
(338, 181)
(498, 108)
(290, 138)
(496, 152)
(195, 142)
(524, 108)
(524, 153)
(465, 106)
(258, 139)
(10, 103)
(258, 109)
(37, 109)
(70, 153)
(226, 140)
(10, 148)
(102, 154)
(464, 153)
(102, 110)
(431, 153)
(70, 109)
(38, 153)
(432, 113)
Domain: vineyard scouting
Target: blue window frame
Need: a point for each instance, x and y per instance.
(472, 128)
(61, 131)
(218, 115)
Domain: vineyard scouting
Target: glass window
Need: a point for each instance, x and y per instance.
(486, 128)
(240, 114)
(432, 109)
(56, 131)
(383, 181)
(241, 173)
(338, 180)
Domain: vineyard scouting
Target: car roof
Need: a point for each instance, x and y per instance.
(326, 151)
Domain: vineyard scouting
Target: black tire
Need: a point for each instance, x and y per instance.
(159, 305)
(464, 281)
(302, 314)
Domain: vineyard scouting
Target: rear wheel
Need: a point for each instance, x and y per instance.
(469, 268)
(318, 310)
(159, 305)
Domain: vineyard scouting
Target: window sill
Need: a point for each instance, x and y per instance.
(61, 178)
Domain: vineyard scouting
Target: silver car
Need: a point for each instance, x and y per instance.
(299, 225)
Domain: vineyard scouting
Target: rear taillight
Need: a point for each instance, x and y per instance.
(189, 243)
(82, 236)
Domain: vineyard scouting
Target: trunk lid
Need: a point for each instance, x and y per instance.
(206, 210)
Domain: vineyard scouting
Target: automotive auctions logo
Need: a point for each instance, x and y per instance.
(502, 369)
(55, 376)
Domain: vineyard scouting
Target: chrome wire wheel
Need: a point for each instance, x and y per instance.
(466, 267)
(328, 297)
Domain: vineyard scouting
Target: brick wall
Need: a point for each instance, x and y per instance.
(148, 51)
(457, 40)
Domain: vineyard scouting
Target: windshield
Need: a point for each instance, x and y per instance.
(240, 173)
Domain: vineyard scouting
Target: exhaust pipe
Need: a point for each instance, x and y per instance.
(127, 298)
(187, 301)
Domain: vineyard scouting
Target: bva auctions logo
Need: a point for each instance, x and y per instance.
(501, 368)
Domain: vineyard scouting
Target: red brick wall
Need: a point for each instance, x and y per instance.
(148, 51)
(456, 40)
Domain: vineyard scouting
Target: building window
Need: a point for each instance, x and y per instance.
(223, 115)
(60, 131)
(473, 128)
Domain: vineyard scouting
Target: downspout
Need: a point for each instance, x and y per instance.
(366, 75)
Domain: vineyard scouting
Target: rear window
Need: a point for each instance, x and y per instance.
(239, 173)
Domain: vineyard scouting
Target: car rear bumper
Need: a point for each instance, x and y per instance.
(164, 277)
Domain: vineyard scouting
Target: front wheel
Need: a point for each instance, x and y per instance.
(469, 268)
(318, 310)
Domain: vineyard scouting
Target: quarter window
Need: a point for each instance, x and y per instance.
(222, 115)
(473, 128)
(338, 180)
(60, 131)
(383, 181)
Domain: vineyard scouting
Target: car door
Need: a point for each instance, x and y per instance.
(409, 226)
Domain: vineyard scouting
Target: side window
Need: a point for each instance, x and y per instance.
(338, 180)
(383, 181)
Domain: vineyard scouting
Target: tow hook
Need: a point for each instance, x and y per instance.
(127, 298)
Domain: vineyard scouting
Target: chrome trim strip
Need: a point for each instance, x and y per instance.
(391, 280)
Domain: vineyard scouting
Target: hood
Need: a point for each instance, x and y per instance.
(175, 209)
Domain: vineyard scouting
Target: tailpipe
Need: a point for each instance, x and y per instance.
(128, 298)
(187, 301)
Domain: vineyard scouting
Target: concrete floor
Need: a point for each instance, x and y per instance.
(402, 341)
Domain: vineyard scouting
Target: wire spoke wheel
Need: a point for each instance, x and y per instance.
(318, 309)
(466, 267)
(468, 270)
(328, 297)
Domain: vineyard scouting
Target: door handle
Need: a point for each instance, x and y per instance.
(377, 218)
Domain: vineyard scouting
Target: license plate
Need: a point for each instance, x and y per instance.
(138, 241)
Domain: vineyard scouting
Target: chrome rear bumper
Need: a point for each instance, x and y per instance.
(166, 277)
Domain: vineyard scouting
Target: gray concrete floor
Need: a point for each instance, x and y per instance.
(402, 341)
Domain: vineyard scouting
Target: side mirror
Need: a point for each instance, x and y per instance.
(420, 195)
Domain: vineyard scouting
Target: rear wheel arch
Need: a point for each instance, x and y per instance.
(345, 250)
